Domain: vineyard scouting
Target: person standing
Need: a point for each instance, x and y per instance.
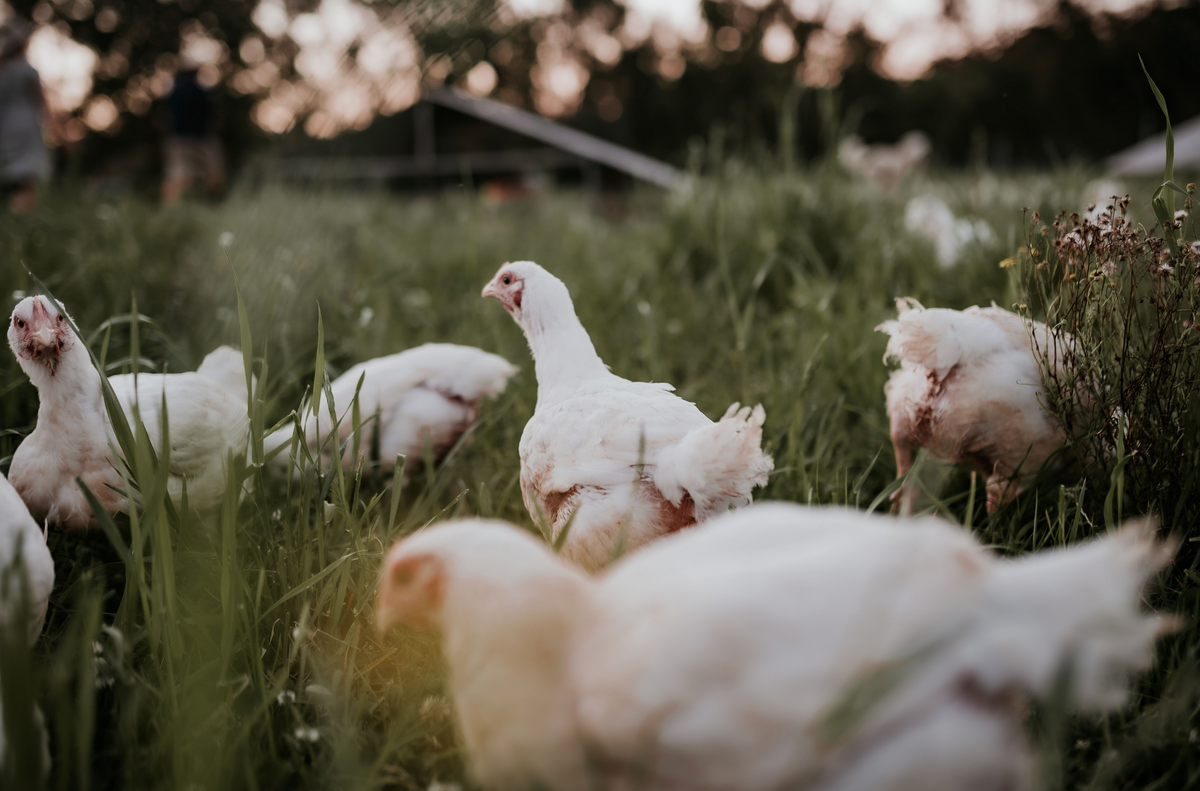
(192, 152)
(23, 157)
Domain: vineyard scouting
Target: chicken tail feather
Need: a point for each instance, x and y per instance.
(718, 464)
(1072, 614)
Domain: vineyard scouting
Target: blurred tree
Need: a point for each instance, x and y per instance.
(1069, 87)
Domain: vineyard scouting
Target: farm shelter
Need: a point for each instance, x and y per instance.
(451, 135)
(1146, 158)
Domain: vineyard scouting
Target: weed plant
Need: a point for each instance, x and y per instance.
(237, 650)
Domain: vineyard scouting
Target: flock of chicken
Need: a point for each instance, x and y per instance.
(759, 647)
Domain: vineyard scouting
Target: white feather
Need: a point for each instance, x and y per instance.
(624, 462)
(18, 530)
(430, 393)
(207, 421)
(721, 657)
(969, 390)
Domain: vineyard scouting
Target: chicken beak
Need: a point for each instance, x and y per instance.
(491, 290)
(46, 338)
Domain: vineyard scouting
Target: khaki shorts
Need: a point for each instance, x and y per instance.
(193, 158)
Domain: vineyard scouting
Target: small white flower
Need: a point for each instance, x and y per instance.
(307, 734)
(1165, 269)
(296, 632)
(1108, 268)
(643, 307)
(18, 295)
(1181, 214)
(225, 239)
(287, 696)
(1194, 245)
(364, 318)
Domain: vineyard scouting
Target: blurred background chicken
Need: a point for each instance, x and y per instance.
(969, 391)
(623, 462)
(777, 647)
(929, 216)
(428, 394)
(207, 420)
(885, 164)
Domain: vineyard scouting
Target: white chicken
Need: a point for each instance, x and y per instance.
(623, 462)
(929, 216)
(882, 163)
(430, 393)
(18, 529)
(207, 420)
(969, 390)
(778, 647)
(18, 532)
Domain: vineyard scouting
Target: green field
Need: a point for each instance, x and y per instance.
(240, 652)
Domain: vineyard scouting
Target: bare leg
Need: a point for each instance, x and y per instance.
(1001, 490)
(903, 446)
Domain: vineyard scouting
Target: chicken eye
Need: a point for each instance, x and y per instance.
(20, 323)
(506, 280)
(60, 318)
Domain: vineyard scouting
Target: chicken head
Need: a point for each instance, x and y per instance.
(39, 333)
(508, 286)
(410, 591)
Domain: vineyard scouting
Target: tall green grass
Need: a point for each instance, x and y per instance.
(237, 650)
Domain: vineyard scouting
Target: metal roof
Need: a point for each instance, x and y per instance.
(1148, 157)
(580, 144)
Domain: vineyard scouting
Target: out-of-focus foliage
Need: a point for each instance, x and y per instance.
(1044, 98)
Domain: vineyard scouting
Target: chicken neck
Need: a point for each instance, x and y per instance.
(68, 395)
(563, 353)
